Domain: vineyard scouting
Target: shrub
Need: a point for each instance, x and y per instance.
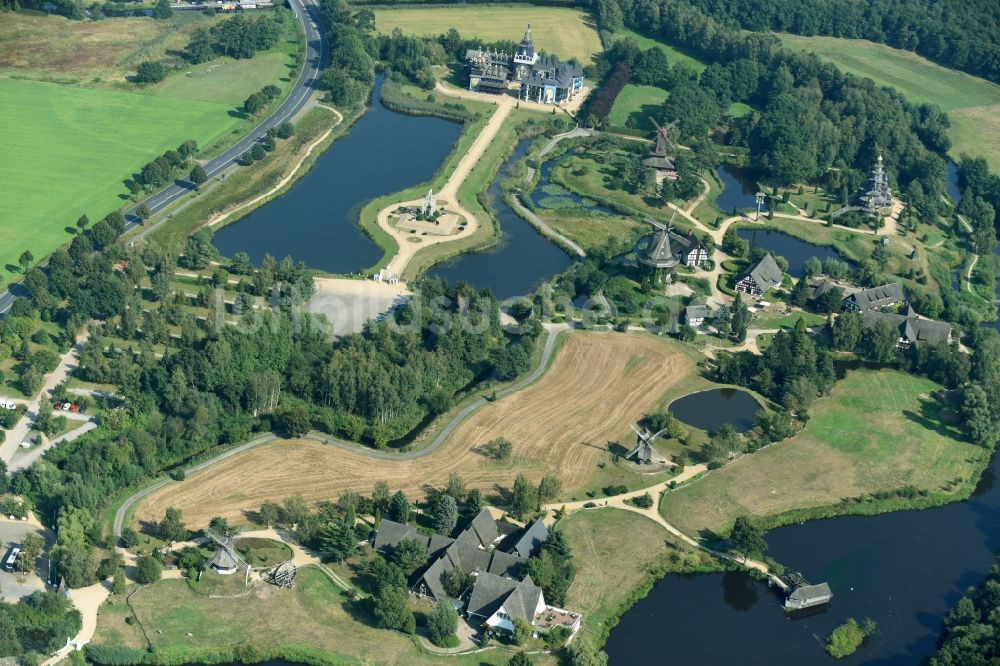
(442, 624)
(848, 637)
(643, 501)
(147, 570)
(151, 71)
(114, 655)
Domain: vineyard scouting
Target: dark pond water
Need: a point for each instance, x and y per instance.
(953, 190)
(553, 196)
(795, 250)
(317, 220)
(739, 189)
(710, 410)
(904, 570)
(523, 259)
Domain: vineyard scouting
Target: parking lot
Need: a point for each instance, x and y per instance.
(15, 586)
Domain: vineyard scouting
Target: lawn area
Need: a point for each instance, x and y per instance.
(973, 104)
(68, 151)
(226, 80)
(879, 431)
(593, 231)
(567, 33)
(674, 54)
(313, 621)
(601, 590)
(636, 103)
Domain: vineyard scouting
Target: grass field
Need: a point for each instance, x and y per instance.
(638, 103)
(67, 151)
(592, 232)
(225, 80)
(674, 54)
(599, 590)
(313, 619)
(879, 431)
(598, 384)
(973, 104)
(567, 33)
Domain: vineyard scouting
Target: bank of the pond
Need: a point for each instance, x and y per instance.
(316, 221)
(903, 569)
(795, 250)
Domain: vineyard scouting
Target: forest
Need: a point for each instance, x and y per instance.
(970, 634)
(960, 35)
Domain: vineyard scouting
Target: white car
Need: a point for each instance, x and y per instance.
(7, 403)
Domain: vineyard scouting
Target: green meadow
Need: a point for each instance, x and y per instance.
(68, 151)
(637, 103)
(973, 104)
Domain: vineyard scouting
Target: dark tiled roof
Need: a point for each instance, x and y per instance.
(910, 326)
(531, 540)
(684, 240)
(390, 533)
(483, 530)
(697, 312)
(877, 297)
(491, 592)
(549, 70)
(658, 252)
(765, 273)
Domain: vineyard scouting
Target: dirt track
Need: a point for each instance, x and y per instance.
(598, 384)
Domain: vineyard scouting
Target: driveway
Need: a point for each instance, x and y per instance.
(16, 586)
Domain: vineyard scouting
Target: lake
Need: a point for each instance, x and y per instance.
(795, 250)
(316, 221)
(739, 189)
(902, 569)
(710, 410)
(522, 260)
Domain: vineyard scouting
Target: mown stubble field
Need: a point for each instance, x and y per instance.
(598, 384)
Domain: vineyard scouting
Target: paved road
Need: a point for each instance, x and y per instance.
(302, 91)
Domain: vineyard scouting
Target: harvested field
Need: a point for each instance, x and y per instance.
(598, 384)
(567, 33)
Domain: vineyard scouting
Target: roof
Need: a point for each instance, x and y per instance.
(223, 559)
(877, 297)
(658, 163)
(912, 327)
(390, 533)
(697, 311)
(482, 530)
(643, 452)
(810, 592)
(531, 540)
(551, 71)
(765, 273)
(684, 240)
(490, 592)
(658, 252)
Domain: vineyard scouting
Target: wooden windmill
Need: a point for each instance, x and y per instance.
(644, 453)
(659, 159)
(664, 132)
(226, 561)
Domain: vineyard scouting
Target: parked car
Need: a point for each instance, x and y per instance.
(7, 403)
(74, 408)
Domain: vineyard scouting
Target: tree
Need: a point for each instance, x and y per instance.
(746, 538)
(391, 607)
(519, 659)
(82, 223)
(881, 342)
(295, 421)
(442, 624)
(172, 528)
(129, 539)
(284, 130)
(522, 631)
(162, 9)
(549, 487)
(977, 414)
(474, 501)
(198, 175)
(380, 496)
(142, 211)
(257, 153)
(254, 104)
(151, 71)
(409, 555)
(445, 514)
(524, 496)
(269, 513)
(120, 582)
(455, 581)
(31, 549)
(25, 260)
(147, 570)
(399, 507)
(847, 331)
(499, 449)
(338, 539)
(456, 486)
(741, 318)
(722, 445)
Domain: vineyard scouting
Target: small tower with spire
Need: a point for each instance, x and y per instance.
(878, 194)
(525, 57)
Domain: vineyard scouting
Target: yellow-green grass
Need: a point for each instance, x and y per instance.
(600, 590)
(636, 103)
(878, 431)
(673, 53)
(314, 621)
(68, 150)
(593, 232)
(226, 80)
(739, 109)
(973, 104)
(567, 33)
(93, 53)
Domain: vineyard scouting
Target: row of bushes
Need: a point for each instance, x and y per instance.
(120, 655)
(394, 99)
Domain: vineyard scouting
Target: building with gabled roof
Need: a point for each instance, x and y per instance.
(695, 315)
(531, 539)
(760, 276)
(689, 249)
(875, 298)
(913, 329)
(498, 601)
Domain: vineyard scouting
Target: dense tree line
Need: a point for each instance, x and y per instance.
(236, 37)
(351, 72)
(600, 103)
(37, 625)
(971, 633)
(957, 34)
(160, 170)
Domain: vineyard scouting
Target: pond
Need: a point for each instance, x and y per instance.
(522, 260)
(953, 190)
(795, 250)
(739, 189)
(316, 221)
(552, 196)
(711, 409)
(903, 569)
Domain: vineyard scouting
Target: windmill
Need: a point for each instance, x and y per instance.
(663, 132)
(659, 159)
(226, 561)
(644, 453)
